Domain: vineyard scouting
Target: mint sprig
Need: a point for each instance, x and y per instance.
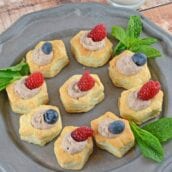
(11, 74)
(129, 39)
(161, 128)
(149, 145)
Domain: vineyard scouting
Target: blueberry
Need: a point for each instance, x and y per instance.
(47, 48)
(116, 127)
(139, 59)
(50, 116)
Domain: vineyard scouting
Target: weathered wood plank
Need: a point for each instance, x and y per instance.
(11, 10)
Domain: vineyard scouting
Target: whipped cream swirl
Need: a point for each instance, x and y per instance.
(38, 121)
(103, 128)
(40, 58)
(135, 103)
(74, 91)
(22, 91)
(89, 44)
(126, 66)
(71, 146)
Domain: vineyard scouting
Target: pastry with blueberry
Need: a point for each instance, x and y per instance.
(141, 103)
(113, 134)
(27, 93)
(80, 93)
(73, 147)
(48, 57)
(129, 69)
(92, 47)
(40, 125)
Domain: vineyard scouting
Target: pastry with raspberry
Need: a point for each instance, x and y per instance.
(27, 93)
(40, 125)
(113, 134)
(141, 103)
(80, 93)
(73, 147)
(92, 47)
(129, 69)
(48, 57)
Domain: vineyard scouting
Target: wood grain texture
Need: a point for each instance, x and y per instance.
(162, 16)
(11, 10)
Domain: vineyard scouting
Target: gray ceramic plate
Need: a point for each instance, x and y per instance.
(62, 23)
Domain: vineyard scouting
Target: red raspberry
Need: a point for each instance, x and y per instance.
(82, 133)
(98, 33)
(35, 80)
(149, 90)
(86, 82)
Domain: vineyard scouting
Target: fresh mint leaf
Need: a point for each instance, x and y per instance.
(150, 52)
(161, 128)
(149, 145)
(130, 40)
(143, 41)
(10, 74)
(119, 33)
(120, 47)
(134, 28)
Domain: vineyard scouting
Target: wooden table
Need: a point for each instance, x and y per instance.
(159, 11)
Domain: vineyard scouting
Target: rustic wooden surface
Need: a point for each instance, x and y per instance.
(159, 11)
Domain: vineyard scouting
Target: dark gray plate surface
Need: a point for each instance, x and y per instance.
(62, 23)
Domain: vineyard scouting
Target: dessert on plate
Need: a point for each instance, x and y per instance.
(73, 147)
(80, 93)
(129, 69)
(27, 93)
(40, 125)
(48, 57)
(92, 47)
(113, 134)
(141, 103)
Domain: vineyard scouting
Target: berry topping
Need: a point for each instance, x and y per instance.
(47, 48)
(116, 127)
(139, 59)
(98, 33)
(149, 90)
(86, 82)
(50, 116)
(35, 80)
(82, 133)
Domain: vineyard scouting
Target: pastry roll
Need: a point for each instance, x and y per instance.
(71, 153)
(129, 70)
(113, 134)
(79, 96)
(48, 57)
(41, 125)
(23, 99)
(89, 51)
(133, 107)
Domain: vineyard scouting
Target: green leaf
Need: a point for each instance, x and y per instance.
(143, 41)
(134, 28)
(120, 47)
(148, 144)
(161, 128)
(119, 33)
(150, 52)
(10, 74)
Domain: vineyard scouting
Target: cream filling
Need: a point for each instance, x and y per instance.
(126, 66)
(24, 92)
(71, 146)
(38, 122)
(40, 58)
(135, 103)
(89, 44)
(74, 91)
(103, 128)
